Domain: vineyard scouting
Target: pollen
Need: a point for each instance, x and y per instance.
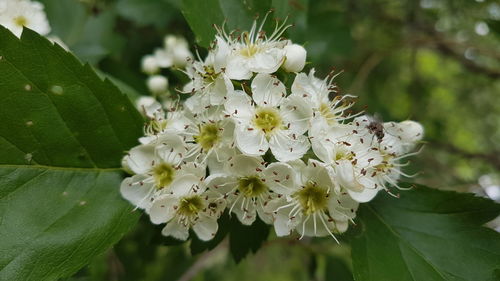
(163, 175)
(209, 136)
(267, 119)
(312, 198)
(20, 21)
(326, 111)
(191, 206)
(251, 186)
(210, 75)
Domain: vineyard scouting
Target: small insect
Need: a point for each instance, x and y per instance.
(376, 128)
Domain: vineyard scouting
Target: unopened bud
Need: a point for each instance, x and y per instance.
(295, 58)
(149, 65)
(157, 84)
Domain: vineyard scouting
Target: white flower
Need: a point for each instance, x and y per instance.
(208, 82)
(347, 153)
(295, 58)
(270, 121)
(175, 52)
(314, 206)
(160, 121)
(149, 65)
(18, 13)
(157, 84)
(188, 205)
(246, 182)
(158, 169)
(253, 51)
(209, 134)
(328, 110)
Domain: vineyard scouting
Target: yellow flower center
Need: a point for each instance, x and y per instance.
(156, 126)
(326, 111)
(312, 198)
(210, 75)
(267, 119)
(163, 175)
(342, 154)
(20, 21)
(386, 164)
(251, 186)
(190, 206)
(209, 135)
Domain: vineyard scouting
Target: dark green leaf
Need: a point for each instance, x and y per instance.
(337, 270)
(427, 235)
(91, 36)
(245, 239)
(202, 15)
(144, 12)
(62, 136)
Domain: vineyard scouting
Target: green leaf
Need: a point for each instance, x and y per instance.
(244, 239)
(202, 15)
(428, 235)
(337, 270)
(63, 133)
(144, 12)
(90, 36)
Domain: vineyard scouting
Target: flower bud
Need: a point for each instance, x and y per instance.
(147, 105)
(411, 131)
(295, 58)
(157, 84)
(149, 65)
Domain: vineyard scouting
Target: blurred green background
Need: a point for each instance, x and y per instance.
(433, 61)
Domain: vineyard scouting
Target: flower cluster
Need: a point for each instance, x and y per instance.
(258, 138)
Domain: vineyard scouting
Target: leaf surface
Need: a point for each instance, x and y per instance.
(63, 133)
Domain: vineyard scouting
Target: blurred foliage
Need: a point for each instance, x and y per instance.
(434, 61)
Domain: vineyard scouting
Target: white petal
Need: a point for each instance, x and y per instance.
(239, 106)
(176, 230)
(286, 148)
(267, 62)
(266, 217)
(364, 196)
(171, 149)
(192, 168)
(313, 226)
(245, 215)
(280, 177)
(244, 165)
(206, 228)
(136, 191)
(267, 90)
(221, 183)
(141, 158)
(252, 142)
(237, 68)
(184, 185)
(163, 209)
(297, 113)
(282, 225)
(345, 175)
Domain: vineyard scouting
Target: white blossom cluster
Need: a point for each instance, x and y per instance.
(296, 157)
(175, 53)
